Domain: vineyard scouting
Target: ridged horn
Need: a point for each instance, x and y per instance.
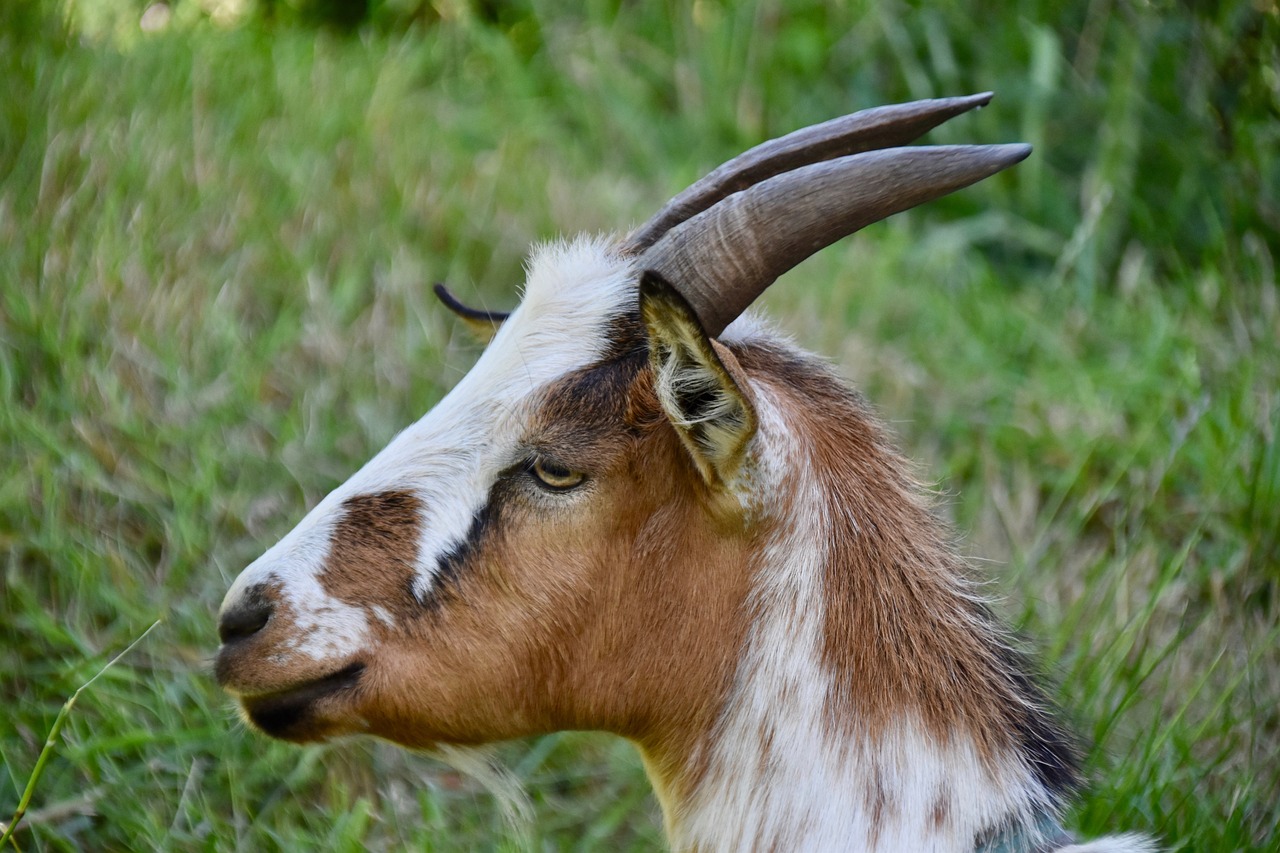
(722, 259)
(867, 130)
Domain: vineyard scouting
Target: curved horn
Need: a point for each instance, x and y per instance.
(725, 257)
(867, 130)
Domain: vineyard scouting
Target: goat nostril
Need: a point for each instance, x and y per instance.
(245, 619)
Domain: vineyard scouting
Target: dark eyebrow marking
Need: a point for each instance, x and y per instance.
(446, 582)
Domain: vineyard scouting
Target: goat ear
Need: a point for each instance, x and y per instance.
(483, 324)
(694, 379)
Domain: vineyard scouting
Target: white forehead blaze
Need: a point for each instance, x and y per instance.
(451, 457)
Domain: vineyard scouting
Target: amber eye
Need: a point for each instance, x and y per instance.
(555, 476)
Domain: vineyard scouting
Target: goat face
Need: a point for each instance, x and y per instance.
(519, 560)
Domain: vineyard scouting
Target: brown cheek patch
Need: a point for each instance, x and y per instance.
(373, 552)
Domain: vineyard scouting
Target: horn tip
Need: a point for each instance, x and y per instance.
(1014, 152)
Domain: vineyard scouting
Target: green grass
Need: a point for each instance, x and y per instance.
(215, 252)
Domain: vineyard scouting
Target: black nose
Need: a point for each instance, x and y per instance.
(246, 617)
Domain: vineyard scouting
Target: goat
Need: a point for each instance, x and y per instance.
(643, 513)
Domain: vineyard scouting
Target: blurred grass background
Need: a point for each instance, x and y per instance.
(218, 221)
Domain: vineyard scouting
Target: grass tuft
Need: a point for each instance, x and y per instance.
(7, 830)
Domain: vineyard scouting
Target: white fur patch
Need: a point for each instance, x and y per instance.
(450, 458)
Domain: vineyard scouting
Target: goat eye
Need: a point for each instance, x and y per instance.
(554, 476)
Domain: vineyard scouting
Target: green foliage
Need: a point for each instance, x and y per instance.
(215, 246)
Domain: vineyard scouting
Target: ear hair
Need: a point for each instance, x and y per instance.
(483, 324)
(710, 411)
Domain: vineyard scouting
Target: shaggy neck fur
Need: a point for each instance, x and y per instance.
(876, 705)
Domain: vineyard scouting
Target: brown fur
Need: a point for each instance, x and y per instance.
(373, 551)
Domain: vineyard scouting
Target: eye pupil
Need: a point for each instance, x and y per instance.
(556, 476)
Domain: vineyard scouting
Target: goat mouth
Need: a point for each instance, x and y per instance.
(292, 714)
